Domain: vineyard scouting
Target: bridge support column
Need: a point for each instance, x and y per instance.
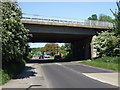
(81, 50)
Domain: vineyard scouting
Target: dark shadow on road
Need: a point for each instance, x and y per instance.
(27, 72)
(46, 61)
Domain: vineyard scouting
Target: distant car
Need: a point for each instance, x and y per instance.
(47, 56)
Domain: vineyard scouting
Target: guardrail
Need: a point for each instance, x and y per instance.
(41, 18)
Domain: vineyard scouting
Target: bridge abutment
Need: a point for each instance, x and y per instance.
(81, 49)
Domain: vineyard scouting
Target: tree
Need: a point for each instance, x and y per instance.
(116, 29)
(14, 34)
(63, 51)
(108, 42)
(117, 19)
(103, 17)
(35, 51)
(42, 50)
(51, 48)
(93, 17)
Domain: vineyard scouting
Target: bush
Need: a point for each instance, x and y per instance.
(14, 34)
(68, 56)
(12, 70)
(4, 77)
(107, 44)
(15, 68)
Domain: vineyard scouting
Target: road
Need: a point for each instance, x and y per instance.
(63, 75)
(70, 75)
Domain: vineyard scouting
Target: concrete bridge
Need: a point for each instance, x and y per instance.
(77, 32)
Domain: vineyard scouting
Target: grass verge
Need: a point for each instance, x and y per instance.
(104, 62)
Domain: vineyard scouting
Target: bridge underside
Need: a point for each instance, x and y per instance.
(61, 38)
(80, 44)
(79, 37)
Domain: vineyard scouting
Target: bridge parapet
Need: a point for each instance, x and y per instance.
(41, 18)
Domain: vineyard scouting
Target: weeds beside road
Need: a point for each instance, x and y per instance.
(104, 62)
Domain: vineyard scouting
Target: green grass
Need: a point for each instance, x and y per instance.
(105, 62)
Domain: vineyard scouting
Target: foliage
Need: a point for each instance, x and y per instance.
(14, 40)
(4, 77)
(67, 48)
(104, 62)
(68, 56)
(35, 51)
(103, 17)
(42, 50)
(106, 44)
(51, 48)
(27, 55)
(11, 71)
(14, 34)
(93, 17)
(117, 19)
(62, 50)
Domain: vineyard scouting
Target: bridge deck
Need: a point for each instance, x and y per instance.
(65, 24)
(59, 21)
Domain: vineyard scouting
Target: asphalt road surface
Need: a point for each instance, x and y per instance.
(69, 75)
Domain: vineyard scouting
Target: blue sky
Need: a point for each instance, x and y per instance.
(80, 10)
(77, 10)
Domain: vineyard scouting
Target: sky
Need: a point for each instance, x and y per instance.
(79, 10)
(66, 0)
(74, 10)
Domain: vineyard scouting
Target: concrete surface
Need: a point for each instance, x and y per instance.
(110, 78)
(31, 77)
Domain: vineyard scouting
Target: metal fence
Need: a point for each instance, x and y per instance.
(42, 18)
